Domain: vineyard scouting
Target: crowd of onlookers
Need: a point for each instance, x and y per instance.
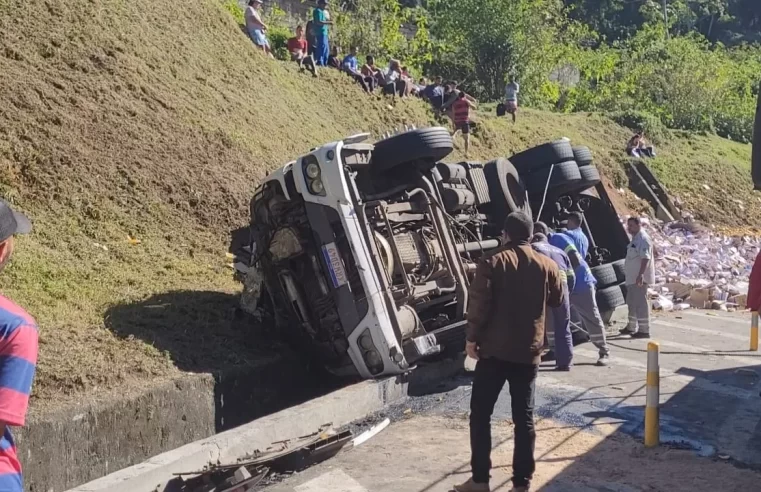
(310, 48)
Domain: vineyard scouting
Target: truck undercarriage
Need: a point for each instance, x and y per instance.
(362, 254)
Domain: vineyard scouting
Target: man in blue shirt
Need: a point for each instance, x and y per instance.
(557, 320)
(584, 310)
(350, 65)
(435, 93)
(320, 22)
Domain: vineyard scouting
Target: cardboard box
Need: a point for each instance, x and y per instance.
(700, 298)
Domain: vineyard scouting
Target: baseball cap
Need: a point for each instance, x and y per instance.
(12, 222)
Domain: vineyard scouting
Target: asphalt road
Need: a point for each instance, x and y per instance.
(710, 413)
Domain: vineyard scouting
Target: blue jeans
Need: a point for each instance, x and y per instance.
(558, 328)
(322, 50)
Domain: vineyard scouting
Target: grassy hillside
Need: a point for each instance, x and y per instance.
(134, 133)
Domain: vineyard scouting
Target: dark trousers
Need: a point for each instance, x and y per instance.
(490, 377)
(367, 83)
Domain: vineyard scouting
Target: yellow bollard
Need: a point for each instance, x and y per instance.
(652, 413)
(754, 331)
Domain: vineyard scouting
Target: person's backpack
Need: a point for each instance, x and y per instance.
(501, 109)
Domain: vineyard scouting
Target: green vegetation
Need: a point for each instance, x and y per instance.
(135, 141)
(692, 70)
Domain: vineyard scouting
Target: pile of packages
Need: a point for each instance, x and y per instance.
(698, 268)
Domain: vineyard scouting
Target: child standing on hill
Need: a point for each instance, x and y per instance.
(511, 97)
(461, 116)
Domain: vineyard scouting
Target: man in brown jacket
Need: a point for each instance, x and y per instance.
(506, 335)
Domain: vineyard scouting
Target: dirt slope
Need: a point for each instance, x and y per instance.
(151, 120)
(134, 132)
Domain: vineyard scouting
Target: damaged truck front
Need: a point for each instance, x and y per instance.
(365, 252)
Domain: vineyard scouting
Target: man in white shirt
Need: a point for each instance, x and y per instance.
(511, 97)
(640, 274)
(255, 26)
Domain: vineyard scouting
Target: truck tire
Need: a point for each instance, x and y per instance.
(542, 156)
(605, 275)
(619, 267)
(590, 176)
(423, 146)
(504, 181)
(565, 176)
(610, 298)
(582, 155)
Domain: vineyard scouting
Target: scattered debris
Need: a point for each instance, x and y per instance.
(133, 241)
(369, 434)
(283, 457)
(699, 268)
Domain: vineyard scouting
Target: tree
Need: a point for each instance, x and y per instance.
(494, 39)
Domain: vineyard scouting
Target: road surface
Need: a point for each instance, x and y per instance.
(590, 423)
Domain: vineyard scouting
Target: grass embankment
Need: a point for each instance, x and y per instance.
(134, 133)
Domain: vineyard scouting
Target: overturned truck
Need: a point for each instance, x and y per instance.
(362, 254)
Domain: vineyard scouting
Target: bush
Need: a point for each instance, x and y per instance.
(234, 8)
(650, 124)
(278, 37)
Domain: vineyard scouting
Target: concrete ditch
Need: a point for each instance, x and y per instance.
(74, 445)
(157, 426)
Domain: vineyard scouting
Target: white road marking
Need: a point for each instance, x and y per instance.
(333, 481)
(705, 352)
(716, 333)
(681, 379)
(716, 318)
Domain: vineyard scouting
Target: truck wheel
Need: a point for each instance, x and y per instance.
(590, 176)
(564, 177)
(582, 155)
(605, 275)
(610, 298)
(424, 146)
(503, 181)
(619, 267)
(542, 156)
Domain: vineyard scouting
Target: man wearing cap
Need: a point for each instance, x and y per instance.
(505, 334)
(320, 22)
(18, 357)
(255, 26)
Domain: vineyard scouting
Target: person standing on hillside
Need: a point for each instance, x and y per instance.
(584, 310)
(299, 50)
(255, 26)
(461, 116)
(640, 274)
(505, 334)
(18, 357)
(511, 97)
(320, 22)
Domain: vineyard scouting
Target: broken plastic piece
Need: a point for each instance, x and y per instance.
(370, 433)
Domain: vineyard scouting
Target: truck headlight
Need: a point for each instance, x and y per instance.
(313, 171)
(316, 187)
(313, 176)
(370, 353)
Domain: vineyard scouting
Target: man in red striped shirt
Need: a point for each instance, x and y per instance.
(461, 115)
(18, 357)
